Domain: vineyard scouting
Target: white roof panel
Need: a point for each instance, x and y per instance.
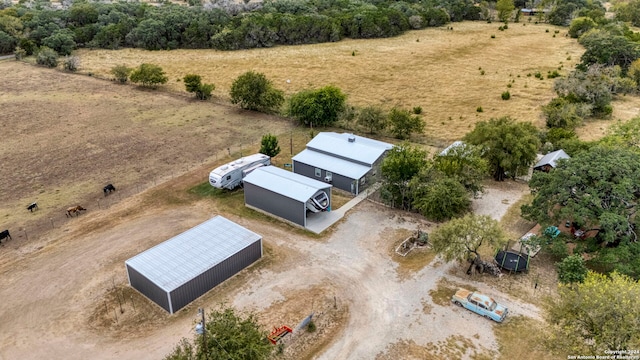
(287, 183)
(362, 149)
(551, 158)
(336, 165)
(183, 257)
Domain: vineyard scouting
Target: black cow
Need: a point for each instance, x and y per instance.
(32, 206)
(108, 189)
(5, 234)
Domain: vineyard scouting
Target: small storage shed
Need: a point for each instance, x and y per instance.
(348, 162)
(549, 161)
(282, 193)
(176, 272)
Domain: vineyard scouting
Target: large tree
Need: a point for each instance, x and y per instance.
(227, 335)
(319, 107)
(596, 189)
(438, 197)
(253, 91)
(463, 163)
(403, 124)
(505, 9)
(372, 118)
(401, 164)
(597, 315)
(460, 239)
(507, 146)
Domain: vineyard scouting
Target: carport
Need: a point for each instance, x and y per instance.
(283, 194)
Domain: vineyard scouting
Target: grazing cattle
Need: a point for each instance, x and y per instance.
(108, 189)
(75, 210)
(5, 234)
(32, 206)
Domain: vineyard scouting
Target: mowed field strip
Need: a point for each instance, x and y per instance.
(437, 69)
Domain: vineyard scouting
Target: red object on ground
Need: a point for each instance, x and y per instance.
(279, 333)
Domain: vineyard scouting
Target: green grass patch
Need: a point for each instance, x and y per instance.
(522, 338)
(445, 290)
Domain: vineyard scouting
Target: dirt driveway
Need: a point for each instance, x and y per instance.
(53, 290)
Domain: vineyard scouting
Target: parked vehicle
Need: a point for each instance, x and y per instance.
(318, 202)
(480, 304)
(230, 175)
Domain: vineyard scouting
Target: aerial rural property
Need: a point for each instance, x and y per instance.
(319, 180)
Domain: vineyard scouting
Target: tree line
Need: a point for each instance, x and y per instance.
(171, 26)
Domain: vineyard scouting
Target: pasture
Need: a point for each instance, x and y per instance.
(437, 69)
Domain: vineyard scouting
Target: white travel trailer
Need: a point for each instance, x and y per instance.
(230, 175)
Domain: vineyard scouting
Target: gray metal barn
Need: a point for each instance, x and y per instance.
(185, 267)
(348, 162)
(282, 193)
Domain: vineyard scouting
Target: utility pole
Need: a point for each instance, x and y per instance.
(202, 329)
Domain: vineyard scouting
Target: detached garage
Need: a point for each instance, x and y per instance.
(176, 272)
(285, 194)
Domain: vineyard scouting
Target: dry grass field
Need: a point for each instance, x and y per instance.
(437, 69)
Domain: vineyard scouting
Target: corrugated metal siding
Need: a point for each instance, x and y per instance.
(339, 181)
(274, 203)
(148, 288)
(206, 281)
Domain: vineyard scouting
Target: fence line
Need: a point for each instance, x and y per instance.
(32, 230)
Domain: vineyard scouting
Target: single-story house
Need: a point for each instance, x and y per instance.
(348, 162)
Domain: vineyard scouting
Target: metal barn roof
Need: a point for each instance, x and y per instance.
(287, 183)
(333, 164)
(454, 145)
(187, 255)
(361, 149)
(551, 158)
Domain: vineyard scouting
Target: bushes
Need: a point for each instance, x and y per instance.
(506, 95)
(193, 84)
(149, 75)
(121, 72)
(47, 57)
(319, 107)
(253, 91)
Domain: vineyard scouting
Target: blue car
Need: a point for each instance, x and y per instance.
(480, 304)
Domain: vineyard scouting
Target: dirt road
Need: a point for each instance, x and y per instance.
(51, 289)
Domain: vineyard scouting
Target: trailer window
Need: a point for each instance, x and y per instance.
(228, 177)
(318, 172)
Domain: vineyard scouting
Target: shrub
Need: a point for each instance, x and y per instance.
(506, 95)
(71, 63)
(493, 36)
(417, 110)
(47, 57)
(121, 72)
(253, 91)
(572, 269)
(20, 53)
(553, 74)
(193, 84)
(311, 327)
(479, 109)
(538, 75)
(149, 75)
(481, 72)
